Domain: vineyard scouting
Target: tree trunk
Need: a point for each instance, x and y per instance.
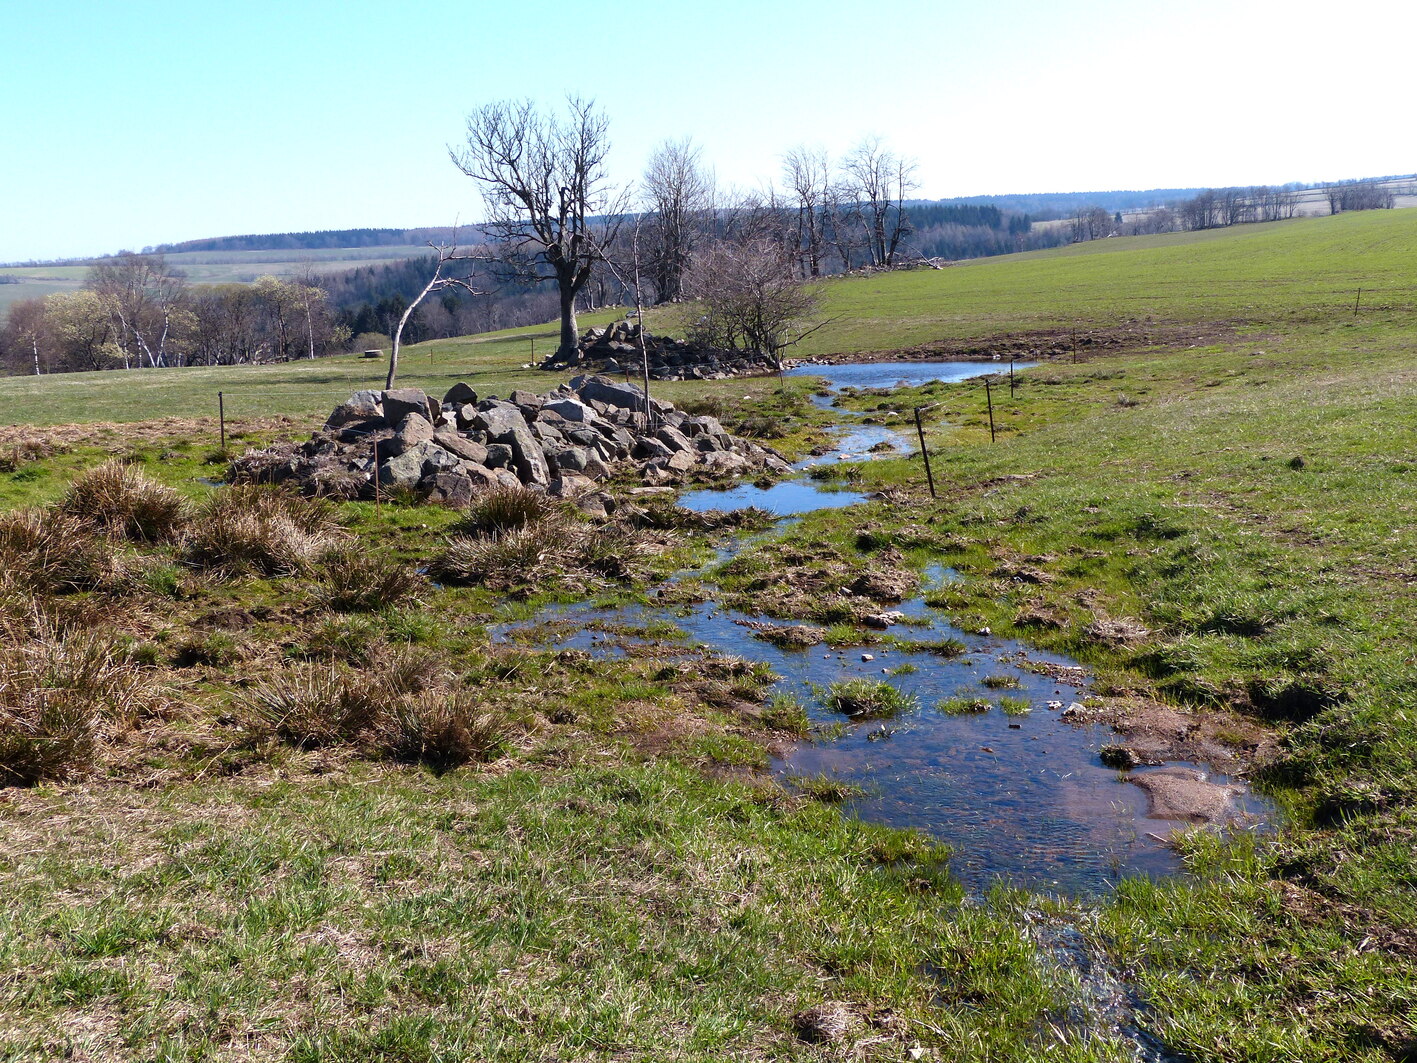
(569, 350)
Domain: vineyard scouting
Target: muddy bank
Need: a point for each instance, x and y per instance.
(1041, 344)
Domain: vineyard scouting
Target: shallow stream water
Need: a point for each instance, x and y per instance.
(1020, 795)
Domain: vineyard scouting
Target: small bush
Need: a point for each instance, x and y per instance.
(867, 699)
(58, 696)
(248, 528)
(126, 503)
(353, 580)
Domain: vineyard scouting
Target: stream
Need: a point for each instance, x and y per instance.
(1018, 792)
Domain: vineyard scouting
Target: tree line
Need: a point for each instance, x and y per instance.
(134, 311)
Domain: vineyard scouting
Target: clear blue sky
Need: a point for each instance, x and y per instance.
(144, 121)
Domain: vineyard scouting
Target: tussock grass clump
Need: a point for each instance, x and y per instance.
(1001, 682)
(400, 706)
(353, 580)
(443, 730)
(553, 550)
(248, 528)
(501, 510)
(126, 503)
(58, 696)
(867, 699)
(319, 705)
(964, 706)
(45, 551)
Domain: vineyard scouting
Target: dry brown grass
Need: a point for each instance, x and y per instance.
(61, 695)
(126, 503)
(265, 530)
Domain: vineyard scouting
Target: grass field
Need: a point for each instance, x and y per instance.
(609, 877)
(207, 267)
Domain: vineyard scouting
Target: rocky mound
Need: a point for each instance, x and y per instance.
(449, 451)
(616, 349)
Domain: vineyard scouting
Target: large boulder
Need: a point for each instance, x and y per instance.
(400, 402)
(527, 456)
(499, 420)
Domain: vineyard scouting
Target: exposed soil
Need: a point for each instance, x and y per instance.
(1150, 733)
(1047, 344)
(1186, 794)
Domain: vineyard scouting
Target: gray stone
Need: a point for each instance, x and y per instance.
(401, 402)
(499, 456)
(674, 439)
(461, 446)
(572, 458)
(405, 470)
(465, 415)
(568, 485)
(354, 412)
(600, 389)
(572, 410)
(482, 477)
(459, 395)
(451, 487)
(413, 430)
(499, 421)
(680, 461)
(366, 398)
(436, 459)
(528, 399)
(530, 462)
(651, 449)
(595, 468)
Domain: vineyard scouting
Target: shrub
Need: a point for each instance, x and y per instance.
(260, 529)
(58, 695)
(126, 503)
(867, 699)
(356, 581)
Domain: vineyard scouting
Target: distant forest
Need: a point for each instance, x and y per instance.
(329, 238)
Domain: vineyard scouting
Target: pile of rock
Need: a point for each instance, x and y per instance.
(449, 451)
(616, 349)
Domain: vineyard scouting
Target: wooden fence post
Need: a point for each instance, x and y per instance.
(925, 452)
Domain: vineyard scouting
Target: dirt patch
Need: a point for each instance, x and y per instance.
(1152, 733)
(1047, 344)
(1186, 794)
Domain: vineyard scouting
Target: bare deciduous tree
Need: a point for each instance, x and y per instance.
(807, 175)
(436, 283)
(544, 183)
(752, 300)
(880, 179)
(680, 200)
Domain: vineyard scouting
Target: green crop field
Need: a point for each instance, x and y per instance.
(1226, 475)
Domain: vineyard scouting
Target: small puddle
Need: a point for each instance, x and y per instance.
(791, 498)
(901, 374)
